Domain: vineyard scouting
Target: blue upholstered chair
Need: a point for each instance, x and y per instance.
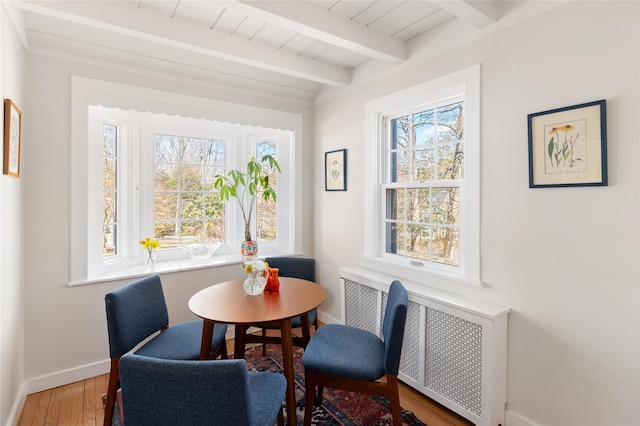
(158, 392)
(138, 310)
(294, 267)
(348, 358)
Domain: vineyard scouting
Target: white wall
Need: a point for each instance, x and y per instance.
(565, 260)
(12, 59)
(65, 327)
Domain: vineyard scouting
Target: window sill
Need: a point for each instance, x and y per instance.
(170, 268)
(430, 278)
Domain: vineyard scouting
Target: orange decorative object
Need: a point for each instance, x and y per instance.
(273, 283)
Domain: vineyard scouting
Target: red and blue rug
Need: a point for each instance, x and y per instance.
(339, 408)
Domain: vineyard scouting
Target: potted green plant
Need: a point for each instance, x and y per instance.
(245, 187)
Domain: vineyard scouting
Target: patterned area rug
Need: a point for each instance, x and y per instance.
(338, 407)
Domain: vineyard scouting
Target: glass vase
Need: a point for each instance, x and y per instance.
(254, 284)
(150, 261)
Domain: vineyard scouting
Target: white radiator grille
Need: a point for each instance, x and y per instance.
(362, 306)
(454, 349)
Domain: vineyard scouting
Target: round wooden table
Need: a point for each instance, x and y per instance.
(228, 303)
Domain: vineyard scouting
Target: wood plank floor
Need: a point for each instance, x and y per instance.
(80, 404)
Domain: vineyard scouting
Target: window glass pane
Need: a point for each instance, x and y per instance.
(402, 167)
(214, 206)
(185, 198)
(450, 122)
(446, 206)
(109, 190)
(446, 246)
(214, 230)
(191, 177)
(110, 240)
(267, 210)
(417, 241)
(266, 229)
(450, 158)
(424, 128)
(192, 205)
(109, 173)
(418, 206)
(424, 165)
(166, 205)
(395, 204)
(165, 232)
(400, 239)
(191, 232)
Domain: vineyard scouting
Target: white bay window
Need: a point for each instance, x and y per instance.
(150, 174)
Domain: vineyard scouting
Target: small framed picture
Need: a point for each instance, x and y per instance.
(568, 146)
(335, 170)
(12, 138)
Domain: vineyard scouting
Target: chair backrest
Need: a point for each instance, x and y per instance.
(294, 267)
(134, 312)
(395, 318)
(161, 392)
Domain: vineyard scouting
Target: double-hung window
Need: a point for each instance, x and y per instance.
(423, 148)
(424, 165)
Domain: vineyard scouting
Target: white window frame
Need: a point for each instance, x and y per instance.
(466, 83)
(86, 211)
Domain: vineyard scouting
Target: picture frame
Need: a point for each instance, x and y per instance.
(568, 146)
(335, 170)
(12, 138)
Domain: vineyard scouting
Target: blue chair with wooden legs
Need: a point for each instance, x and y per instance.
(351, 359)
(293, 267)
(138, 310)
(157, 392)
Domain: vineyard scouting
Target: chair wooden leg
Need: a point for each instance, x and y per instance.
(319, 395)
(264, 345)
(310, 389)
(394, 399)
(280, 417)
(114, 384)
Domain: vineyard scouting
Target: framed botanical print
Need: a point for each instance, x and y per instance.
(568, 146)
(12, 138)
(335, 170)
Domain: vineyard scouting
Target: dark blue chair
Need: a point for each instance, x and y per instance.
(138, 310)
(294, 267)
(158, 392)
(351, 359)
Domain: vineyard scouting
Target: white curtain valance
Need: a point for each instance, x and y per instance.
(115, 95)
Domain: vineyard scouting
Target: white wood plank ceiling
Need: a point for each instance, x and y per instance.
(285, 48)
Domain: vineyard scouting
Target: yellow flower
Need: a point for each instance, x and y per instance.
(149, 244)
(248, 269)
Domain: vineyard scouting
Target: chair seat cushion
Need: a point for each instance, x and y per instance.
(267, 393)
(181, 341)
(345, 351)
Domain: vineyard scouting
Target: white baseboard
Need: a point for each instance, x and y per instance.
(515, 419)
(16, 410)
(328, 319)
(65, 377)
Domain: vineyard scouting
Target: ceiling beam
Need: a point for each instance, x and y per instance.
(479, 13)
(308, 19)
(123, 19)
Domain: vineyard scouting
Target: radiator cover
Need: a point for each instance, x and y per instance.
(454, 350)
